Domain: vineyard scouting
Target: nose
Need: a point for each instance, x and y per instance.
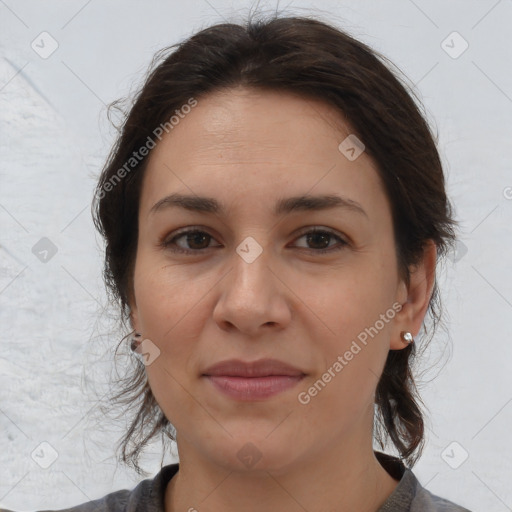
(252, 298)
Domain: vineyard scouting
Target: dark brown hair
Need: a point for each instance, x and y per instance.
(311, 58)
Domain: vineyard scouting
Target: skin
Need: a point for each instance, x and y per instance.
(248, 149)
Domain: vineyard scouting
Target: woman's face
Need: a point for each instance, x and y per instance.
(253, 282)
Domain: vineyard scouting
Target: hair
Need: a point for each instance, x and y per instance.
(318, 61)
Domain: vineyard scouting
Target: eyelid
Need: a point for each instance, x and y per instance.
(316, 228)
(168, 240)
(343, 239)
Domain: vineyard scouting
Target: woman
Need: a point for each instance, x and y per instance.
(273, 213)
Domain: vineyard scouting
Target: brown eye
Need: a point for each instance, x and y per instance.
(320, 241)
(188, 241)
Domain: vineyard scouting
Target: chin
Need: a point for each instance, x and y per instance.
(253, 453)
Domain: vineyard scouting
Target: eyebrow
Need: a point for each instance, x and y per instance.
(283, 206)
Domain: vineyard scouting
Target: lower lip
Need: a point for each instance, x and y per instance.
(253, 388)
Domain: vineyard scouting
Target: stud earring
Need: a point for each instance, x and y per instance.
(136, 341)
(407, 337)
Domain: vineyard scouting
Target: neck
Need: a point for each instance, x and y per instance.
(343, 478)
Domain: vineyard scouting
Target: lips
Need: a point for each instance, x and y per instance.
(260, 368)
(250, 381)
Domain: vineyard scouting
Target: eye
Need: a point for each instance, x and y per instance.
(188, 241)
(196, 240)
(321, 240)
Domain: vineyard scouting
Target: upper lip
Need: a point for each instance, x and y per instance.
(260, 368)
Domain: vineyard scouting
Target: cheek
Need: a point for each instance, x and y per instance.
(353, 298)
(356, 319)
(164, 295)
(352, 361)
(173, 395)
(169, 316)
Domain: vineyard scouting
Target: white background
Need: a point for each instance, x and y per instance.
(57, 337)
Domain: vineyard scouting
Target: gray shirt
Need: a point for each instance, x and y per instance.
(148, 496)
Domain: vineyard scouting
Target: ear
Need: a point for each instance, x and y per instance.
(134, 316)
(133, 320)
(415, 298)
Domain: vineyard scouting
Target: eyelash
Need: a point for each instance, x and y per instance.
(170, 243)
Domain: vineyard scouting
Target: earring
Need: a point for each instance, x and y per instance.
(136, 341)
(407, 337)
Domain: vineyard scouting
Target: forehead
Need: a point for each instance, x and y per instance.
(241, 123)
(242, 142)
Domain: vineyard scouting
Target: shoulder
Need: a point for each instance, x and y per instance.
(409, 495)
(148, 495)
(114, 502)
(425, 501)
